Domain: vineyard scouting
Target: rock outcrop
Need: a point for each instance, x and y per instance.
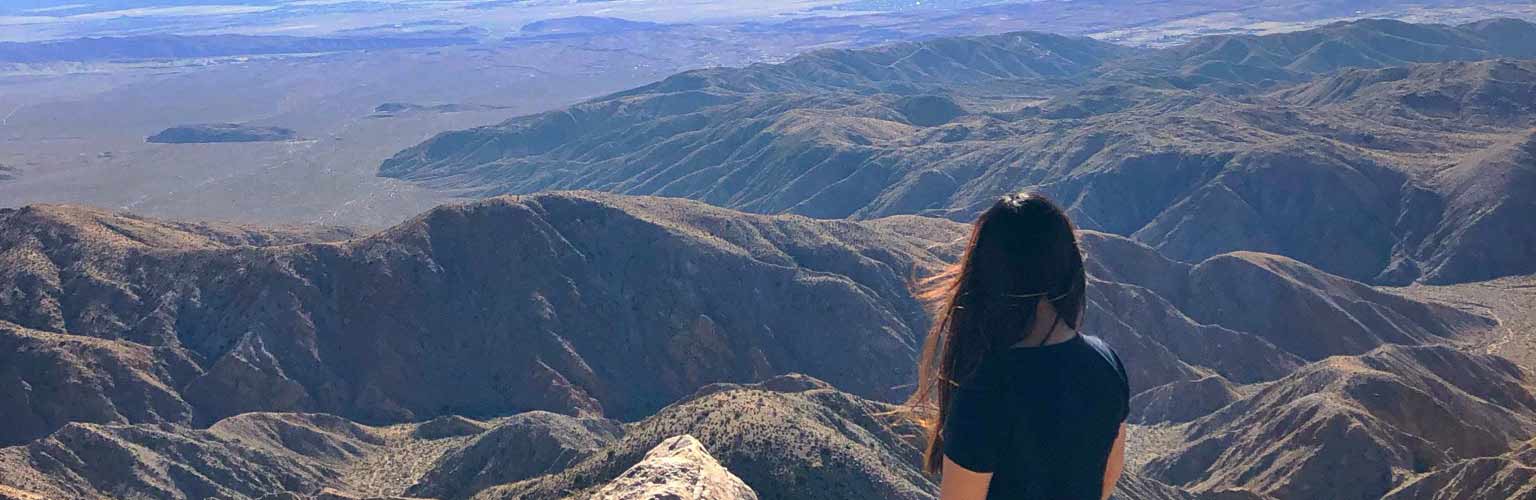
(810, 442)
(678, 468)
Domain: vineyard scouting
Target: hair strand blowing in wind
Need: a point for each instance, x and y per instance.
(1022, 250)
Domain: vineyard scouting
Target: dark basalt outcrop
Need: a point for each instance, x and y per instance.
(221, 132)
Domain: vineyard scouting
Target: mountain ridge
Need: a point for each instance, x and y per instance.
(1129, 144)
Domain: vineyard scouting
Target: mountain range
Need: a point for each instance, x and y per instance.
(1262, 140)
(165, 347)
(194, 46)
(1292, 240)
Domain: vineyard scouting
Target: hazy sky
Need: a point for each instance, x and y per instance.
(23, 20)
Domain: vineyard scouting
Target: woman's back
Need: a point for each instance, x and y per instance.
(1043, 419)
(1019, 422)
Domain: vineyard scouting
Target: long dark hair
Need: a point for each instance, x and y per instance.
(1022, 250)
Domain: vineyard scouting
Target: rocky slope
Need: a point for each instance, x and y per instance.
(1356, 426)
(1245, 316)
(523, 446)
(794, 437)
(1197, 150)
(131, 333)
(791, 437)
(243, 457)
(580, 304)
(1369, 43)
(1511, 475)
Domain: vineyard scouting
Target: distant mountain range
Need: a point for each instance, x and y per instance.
(221, 132)
(1247, 204)
(193, 46)
(1138, 142)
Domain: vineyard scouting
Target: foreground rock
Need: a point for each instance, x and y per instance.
(803, 440)
(678, 469)
(221, 132)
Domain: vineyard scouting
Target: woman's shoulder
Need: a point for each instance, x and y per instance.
(1098, 344)
(1108, 353)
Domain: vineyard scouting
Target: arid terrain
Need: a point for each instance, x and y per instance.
(75, 109)
(547, 250)
(141, 332)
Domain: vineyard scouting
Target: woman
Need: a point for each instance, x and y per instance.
(1018, 404)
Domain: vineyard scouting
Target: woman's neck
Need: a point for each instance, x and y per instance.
(1048, 328)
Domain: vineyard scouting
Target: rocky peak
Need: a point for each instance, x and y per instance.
(677, 469)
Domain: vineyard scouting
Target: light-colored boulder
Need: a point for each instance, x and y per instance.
(677, 469)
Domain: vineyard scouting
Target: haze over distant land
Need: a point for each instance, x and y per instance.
(72, 122)
(1229, 142)
(553, 249)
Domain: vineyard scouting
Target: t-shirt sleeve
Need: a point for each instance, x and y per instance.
(973, 428)
(1125, 386)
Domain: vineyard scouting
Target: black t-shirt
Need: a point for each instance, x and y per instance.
(1041, 419)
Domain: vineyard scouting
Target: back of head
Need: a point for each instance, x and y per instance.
(1022, 250)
